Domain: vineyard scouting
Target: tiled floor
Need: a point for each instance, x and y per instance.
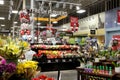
(65, 75)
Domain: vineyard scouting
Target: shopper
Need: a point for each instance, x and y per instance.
(29, 54)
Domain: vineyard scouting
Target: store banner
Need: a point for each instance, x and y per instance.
(74, 22)
(116, 42)
(118, 16)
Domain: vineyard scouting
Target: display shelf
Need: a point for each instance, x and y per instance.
(59, 60)
(84, 75)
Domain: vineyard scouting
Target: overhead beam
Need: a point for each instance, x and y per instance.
(63, 2)
(52, 19)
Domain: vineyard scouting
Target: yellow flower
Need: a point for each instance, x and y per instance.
(23, 66)
(13, 48)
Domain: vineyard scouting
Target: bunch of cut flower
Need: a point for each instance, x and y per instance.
(7, 70)
(12, 48)
(43, 77)
(27, 69)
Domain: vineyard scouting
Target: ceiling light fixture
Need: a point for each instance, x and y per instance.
(14, 11)
(2, 18)
(38, 24)
(55, 22)
(53, 15)
(15, 22)
(2, 25)
(77, 8)
(1, 2)
(81, 11)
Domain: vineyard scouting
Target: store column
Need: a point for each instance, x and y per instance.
(32, 23)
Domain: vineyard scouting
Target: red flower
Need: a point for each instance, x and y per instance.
(49, 79)
(42, 77)
(35, 79)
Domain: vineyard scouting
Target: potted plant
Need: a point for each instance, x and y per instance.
(103, 54)
(117, 67)
(96, 57)
(113, 55)
(82, 62)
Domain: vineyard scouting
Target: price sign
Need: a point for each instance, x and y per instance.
(49, 61)
(63, 60)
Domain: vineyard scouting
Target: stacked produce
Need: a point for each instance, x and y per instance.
(43, 77)
(55, 51)
(61, 47)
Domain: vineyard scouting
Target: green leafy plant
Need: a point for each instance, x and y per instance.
(116, 64)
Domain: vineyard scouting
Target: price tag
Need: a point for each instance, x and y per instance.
(70, 59)
(56, 60)
(63, 60)
(49, 61)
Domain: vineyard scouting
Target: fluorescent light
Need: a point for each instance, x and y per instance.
(15, 22)
(53, 15)
(77, 8)
(1, 2)
(2, 18)
(14, 11)
(81, 11)
(55, 22)
(38, 23)
(2, 25)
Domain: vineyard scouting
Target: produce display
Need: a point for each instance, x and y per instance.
(54, 46)
(56, 51)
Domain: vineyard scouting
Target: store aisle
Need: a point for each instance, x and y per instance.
(65, 75)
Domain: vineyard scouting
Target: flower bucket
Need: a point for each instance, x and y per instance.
(82, 65)
(117, 69)
(96, 59)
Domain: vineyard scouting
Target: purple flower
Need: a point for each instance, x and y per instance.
(10, 68)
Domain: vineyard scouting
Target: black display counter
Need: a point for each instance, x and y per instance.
(59, 64)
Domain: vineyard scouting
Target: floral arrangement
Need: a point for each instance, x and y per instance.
(27, 68)
(12, 48)
(6, 69)
(43, 77)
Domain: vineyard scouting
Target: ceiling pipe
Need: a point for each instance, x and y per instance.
(18, 7)
(60, 2)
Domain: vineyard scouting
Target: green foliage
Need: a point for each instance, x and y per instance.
(116, 64)
(82, 42)
(72, 41)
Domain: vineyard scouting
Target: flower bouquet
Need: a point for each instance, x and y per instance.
(12, 49)
(6, 70)
(27, 69)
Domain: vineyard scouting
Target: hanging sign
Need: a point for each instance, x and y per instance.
(74, 22)
(118, 16)
(24, 16)
(116, 42)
